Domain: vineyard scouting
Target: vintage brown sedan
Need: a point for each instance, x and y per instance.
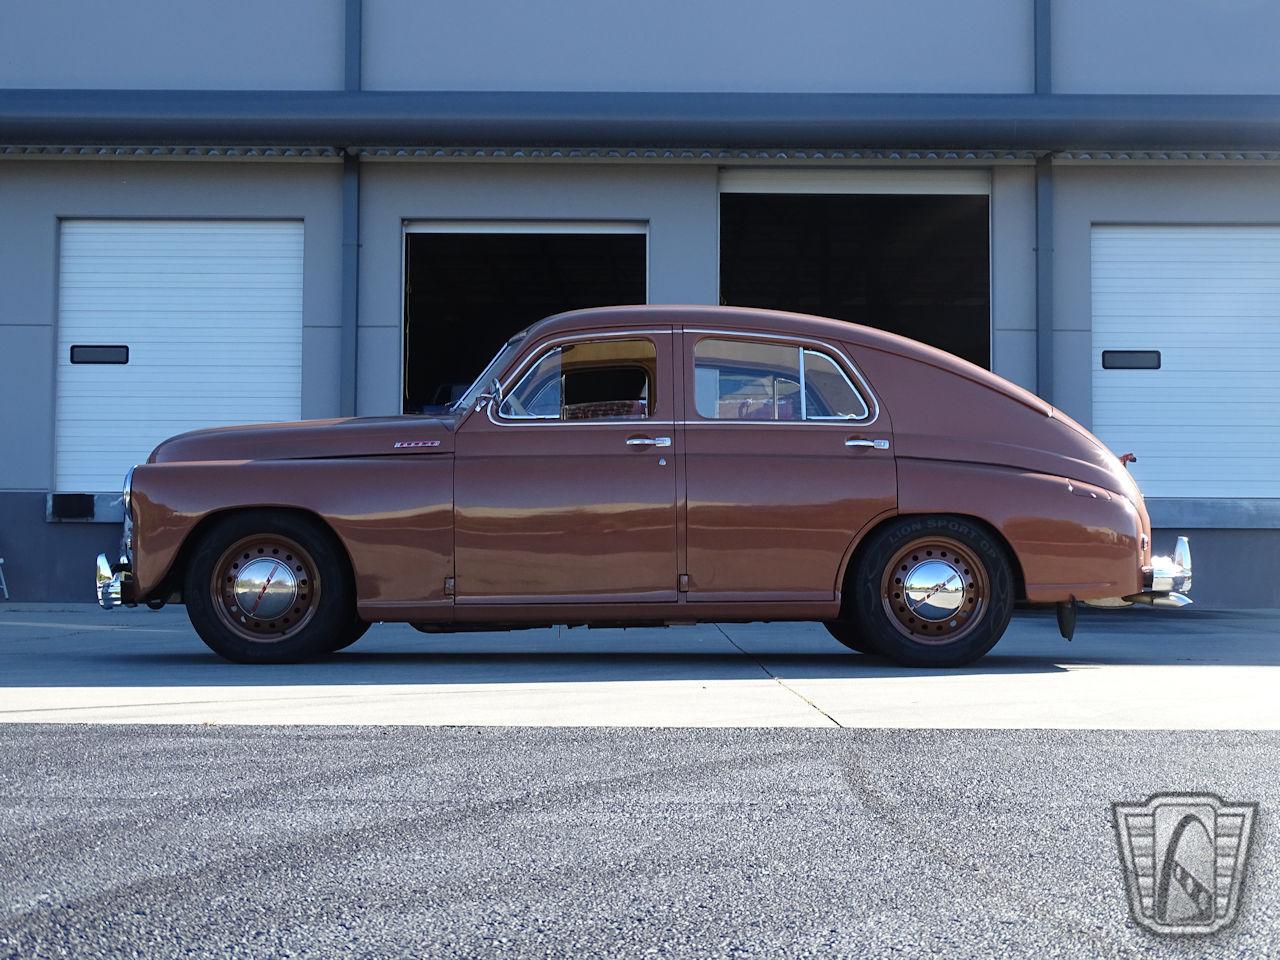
(653, 465)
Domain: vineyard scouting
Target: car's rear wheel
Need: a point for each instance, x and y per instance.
(932, 591)
(269, 587)
(848, 633)
(357, 630)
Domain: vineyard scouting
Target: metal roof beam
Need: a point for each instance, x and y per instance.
(1053, 122)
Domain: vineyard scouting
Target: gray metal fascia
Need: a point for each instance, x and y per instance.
(1055, 122)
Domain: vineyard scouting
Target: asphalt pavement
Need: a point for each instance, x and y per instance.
(160, 841)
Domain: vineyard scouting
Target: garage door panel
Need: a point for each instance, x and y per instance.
(212, 314)
(1207, 423)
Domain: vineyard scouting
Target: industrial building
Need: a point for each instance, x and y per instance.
(234, 211)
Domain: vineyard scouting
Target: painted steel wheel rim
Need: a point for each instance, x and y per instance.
(935, 590)
(265, 588)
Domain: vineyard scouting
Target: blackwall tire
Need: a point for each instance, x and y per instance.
(354, 632)
(848, 634)
(264, 586)
(933, 591)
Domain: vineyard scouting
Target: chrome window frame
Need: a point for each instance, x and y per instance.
(529, 371)
(861, 388)
(804, 413)
(523, 369)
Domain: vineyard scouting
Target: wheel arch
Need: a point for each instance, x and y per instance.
(858, 547)
(170, 584)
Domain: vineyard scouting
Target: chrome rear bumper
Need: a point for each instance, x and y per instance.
(113, 583)
(1166, 582)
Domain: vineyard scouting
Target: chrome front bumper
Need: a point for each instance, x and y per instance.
(1166, 582)
(114, 583)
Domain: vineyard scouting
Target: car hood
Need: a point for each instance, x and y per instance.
(312, 439)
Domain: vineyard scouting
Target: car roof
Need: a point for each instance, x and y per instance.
(757, 320)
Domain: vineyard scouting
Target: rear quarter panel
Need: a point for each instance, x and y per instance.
(1082, 544)
(393, 515)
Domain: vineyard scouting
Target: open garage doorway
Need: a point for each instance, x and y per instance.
(469, 286)
(914, 264)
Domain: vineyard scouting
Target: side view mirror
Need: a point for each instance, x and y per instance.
(492, 395)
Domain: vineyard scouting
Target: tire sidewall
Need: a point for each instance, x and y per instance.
(328, 628)
(874, 623)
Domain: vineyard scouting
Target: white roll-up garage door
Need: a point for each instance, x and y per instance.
(211, 314)
(1206, 423)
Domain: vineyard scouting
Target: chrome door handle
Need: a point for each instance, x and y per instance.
(875, 444)
(649, 442)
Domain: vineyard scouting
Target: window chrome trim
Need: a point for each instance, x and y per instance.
(843, 363)
(839, 369)
(545, 347)
(507, 394)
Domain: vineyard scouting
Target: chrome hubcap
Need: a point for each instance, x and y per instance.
(933, 590)
(265, 588)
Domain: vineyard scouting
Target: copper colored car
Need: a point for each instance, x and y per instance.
(646, 466)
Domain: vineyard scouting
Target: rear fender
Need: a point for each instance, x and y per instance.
(1071, 539)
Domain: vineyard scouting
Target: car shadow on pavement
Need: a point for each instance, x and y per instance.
(166, 652)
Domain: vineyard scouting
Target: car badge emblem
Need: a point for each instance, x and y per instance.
(416, 443)
(1184, 857)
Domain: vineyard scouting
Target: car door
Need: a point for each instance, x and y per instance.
(787, 458)
(565, 491)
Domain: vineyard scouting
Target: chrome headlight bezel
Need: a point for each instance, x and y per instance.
(126, 498)
(126, 494)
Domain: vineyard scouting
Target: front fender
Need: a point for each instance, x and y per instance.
(394, 515)
(1071, 539)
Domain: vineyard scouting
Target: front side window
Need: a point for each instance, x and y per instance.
(747, 380)
(592, 380)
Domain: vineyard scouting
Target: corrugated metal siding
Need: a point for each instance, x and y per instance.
(1207, 424)
(212, 314)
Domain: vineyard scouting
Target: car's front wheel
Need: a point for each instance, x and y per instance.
(932, 591)
(269, 587)
(848, 633)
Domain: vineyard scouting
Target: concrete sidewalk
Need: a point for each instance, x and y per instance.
(1132, 669)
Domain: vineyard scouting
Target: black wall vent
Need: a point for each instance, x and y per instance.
(71, 506)
(1130, 359)
(99, 353)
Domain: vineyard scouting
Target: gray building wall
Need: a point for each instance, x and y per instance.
(42, 559)
(173, 44)
(680, 204)
(704, 45)
(1235, 544)
(1177, 193)
(982, 46)
(1165, 46)
(1013, 275)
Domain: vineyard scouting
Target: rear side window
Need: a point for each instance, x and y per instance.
(747, 380)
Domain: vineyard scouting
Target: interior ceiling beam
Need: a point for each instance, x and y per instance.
(369, 118)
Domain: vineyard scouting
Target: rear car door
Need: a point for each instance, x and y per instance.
(787, 457)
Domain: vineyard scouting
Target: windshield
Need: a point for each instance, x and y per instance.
(499, 362)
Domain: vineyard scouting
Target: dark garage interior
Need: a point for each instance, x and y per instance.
(467, 293)
(914, 265)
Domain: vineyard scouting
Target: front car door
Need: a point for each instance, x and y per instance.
(566, 489)
(788, 458)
